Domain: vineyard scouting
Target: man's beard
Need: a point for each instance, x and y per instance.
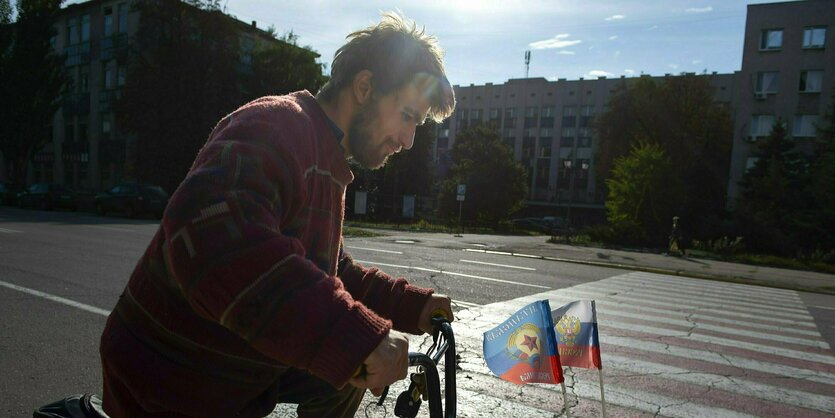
(360, 144)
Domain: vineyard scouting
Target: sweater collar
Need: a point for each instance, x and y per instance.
(330, 136)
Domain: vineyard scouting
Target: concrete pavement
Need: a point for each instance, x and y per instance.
(537, 246)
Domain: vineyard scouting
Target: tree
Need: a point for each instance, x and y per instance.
(773, 196)
(496, 182)
(820, 213)
(182, 79)
(680, 115)
(34, 81)
(409, 172)
(644, 192)
(282, 67)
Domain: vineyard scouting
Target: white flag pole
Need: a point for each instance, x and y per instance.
(602, 397)
(564, 398)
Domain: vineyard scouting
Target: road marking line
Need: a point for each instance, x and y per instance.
(109, 228)
(489, 279)
(373, 249)
(499, 265)
(465, 304)
(10, 231)
(47, 296)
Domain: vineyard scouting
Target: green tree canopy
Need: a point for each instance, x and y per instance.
(187, 71)
(644, 191)
(773, 196)
(33, 81)
(496, 182)
(680, 115)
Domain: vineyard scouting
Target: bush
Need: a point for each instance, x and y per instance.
(623, 233)
(724, 247)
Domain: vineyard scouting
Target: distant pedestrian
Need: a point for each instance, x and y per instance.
(675, 246)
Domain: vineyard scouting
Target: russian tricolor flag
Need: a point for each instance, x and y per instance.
(523, 348)
(576, 329)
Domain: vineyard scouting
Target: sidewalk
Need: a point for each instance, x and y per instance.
(537, 246)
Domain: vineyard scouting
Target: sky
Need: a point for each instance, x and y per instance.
(485, 40)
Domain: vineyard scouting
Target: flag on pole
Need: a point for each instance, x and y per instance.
(523, 349)
(576, 329)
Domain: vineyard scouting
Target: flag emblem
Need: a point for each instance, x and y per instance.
(524, 343)
(568, 328)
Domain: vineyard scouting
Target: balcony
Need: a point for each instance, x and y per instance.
(76, 104)
(78, 54)
(108, 98)
(113, 47)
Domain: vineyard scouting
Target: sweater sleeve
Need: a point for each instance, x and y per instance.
(226, 250)
(392, 298)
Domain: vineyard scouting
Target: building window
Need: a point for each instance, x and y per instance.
(510, 117)
(123, 18)
(72, 31)
(811, 81)
(544, 148)
(108, 21)
(750, 163)
(85, 28)
(771, 39)
(768, 82)
(443, 143)
(443, 133)
(804, 126)
(814, 36)
(586, 115)
(761, 125)
(546, 132)
(569, 116)
(106, 127)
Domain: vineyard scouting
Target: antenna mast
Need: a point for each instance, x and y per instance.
(527, 62)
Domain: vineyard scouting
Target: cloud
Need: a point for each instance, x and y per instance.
(673, 66)
(617, 54)
(696, 62)
(707, 9)
(559, 41)
(629, 71)
(615, 17)
(653, 27)
(566, 52)
(599, 73)
(613, 37)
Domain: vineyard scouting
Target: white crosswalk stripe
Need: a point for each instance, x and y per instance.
(671, 347)
(687, 348)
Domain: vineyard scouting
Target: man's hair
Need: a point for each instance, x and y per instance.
(396, 52)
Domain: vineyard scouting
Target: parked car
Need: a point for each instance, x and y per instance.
(9, 192)
(132, 199)
(47, 196)
(548, 224)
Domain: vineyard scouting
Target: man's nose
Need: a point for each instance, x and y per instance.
(407, 138)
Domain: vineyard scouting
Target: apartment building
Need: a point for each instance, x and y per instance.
(548, 126)
(787, 74)
(788, 70)
(87, 148)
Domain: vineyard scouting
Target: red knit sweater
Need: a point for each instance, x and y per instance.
(246, 276)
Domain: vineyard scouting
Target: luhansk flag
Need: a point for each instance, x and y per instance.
(523, 349)
(576, 329)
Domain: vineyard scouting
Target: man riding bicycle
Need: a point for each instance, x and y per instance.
(245, 296)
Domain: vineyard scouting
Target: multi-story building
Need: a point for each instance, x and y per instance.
(788, 70)
(787, 74)
(548, 126)
(87, 148)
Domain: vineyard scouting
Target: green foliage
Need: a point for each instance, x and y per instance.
(496, 183)
(644, 191)
(724, 247)
(774, 199)
(680, 115)
(186, 72)
(33, 81)
(282, 67)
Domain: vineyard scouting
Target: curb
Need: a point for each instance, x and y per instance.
(658, 270)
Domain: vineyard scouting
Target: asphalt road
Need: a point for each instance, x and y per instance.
(61, 272)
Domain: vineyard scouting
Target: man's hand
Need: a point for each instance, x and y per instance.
(435, 303)
(388, 363)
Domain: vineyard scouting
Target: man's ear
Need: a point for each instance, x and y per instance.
(362, 88)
